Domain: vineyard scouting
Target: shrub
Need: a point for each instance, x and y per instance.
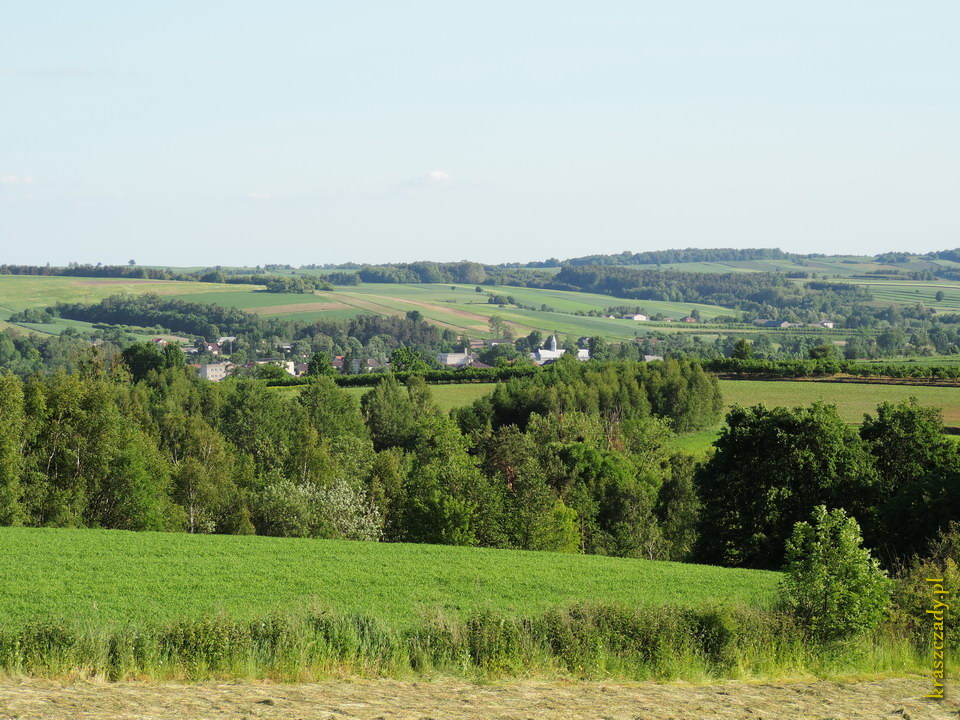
(833, 587)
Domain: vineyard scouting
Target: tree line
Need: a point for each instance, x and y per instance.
(589, 469)
(578, 457)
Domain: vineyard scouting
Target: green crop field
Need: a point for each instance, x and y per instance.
(20, 292)
(110, 578)
(853, 400)
(913, 292)
(462, 309)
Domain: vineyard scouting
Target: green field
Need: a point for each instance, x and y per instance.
(462, 309)
(853, 400)
(911, 292)
(110, 578)
(20, 292)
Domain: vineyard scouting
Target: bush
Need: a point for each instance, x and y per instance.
(833, 587)
(913, 592)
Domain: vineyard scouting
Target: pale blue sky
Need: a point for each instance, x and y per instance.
(195, 133)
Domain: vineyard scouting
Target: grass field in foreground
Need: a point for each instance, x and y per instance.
(108, 578)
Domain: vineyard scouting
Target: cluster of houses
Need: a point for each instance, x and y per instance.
(219, 370)
(543, 356)
(785, 324)
(640, 317)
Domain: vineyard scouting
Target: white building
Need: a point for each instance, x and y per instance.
(454, 359)
(638, 317)
(215, 372)
(551, 353)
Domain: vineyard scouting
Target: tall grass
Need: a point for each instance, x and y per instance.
(584, 641)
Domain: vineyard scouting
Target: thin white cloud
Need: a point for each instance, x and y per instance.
(434, 177)
(258, 196)
(17, 180)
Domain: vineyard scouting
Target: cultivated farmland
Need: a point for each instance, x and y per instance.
(112, 577)
(852, 399)
(462, 309)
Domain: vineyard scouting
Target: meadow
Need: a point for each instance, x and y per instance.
(20, 292)
(118, 605)
(114, 577)
(853, 400)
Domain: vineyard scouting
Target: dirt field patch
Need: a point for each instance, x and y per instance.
(380, 309)
(895, 699)
(295, 308)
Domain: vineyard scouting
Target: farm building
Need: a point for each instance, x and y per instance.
(638, 317)
(460, 359)
(215, 372)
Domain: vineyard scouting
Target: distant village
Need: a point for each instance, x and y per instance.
(468, 357)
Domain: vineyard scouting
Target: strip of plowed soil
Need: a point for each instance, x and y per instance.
(380, 309)
(895, 699)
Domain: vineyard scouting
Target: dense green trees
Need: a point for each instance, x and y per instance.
(899, 476)
(12, 421)
(576, 457)
(919, 477)
(582, 471)
(770, 468)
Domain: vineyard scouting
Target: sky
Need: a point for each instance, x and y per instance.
(203, 132)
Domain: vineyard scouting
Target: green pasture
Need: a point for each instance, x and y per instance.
(913, 292)
(19, 292)
(251, 297)
(853, 401)
(113, 578)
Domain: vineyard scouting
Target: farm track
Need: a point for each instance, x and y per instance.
(536, 700)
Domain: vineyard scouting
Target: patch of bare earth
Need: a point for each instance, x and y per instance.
(896, 699)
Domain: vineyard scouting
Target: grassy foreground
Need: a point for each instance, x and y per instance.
(114, 577)
(118, 605)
